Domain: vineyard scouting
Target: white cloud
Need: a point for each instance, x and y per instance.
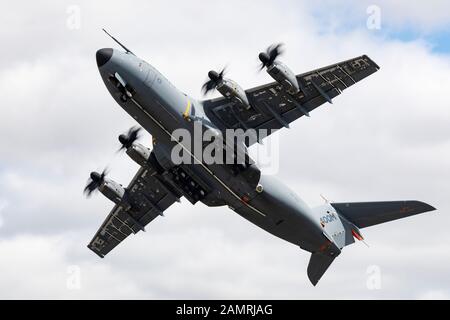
(435, 295)
(422, 17)
(3, 205)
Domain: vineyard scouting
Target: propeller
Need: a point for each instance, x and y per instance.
(95, 180)
(127, 139)
(267, 58)
(214, 80)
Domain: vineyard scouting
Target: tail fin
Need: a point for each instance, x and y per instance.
(317, 266)
(344, 224)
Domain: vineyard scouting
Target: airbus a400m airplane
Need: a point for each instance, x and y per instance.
(160, 108)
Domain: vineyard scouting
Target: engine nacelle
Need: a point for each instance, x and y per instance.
(112, 190)
(284, 76)
(139, 153)
(231, 90)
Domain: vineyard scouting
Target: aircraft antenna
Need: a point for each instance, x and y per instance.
(118, 42)
(325, 199)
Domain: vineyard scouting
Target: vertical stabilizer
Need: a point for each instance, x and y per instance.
(317, 266)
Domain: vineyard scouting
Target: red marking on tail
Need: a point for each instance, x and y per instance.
(357, 235)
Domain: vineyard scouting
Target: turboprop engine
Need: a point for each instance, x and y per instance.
(228, 88)
(109, 188)
(278, 70)
(136, 151)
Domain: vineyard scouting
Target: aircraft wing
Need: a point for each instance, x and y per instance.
(273, 108)
(147, 198)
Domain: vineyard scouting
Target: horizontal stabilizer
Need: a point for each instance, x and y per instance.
(366, 214)
(317, 266)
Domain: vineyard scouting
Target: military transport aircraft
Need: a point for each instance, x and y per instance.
(160, 108)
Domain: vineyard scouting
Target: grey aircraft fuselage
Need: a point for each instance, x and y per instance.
(159, 107)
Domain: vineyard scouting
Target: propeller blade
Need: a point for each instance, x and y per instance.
(104, 173)
(90, 187)
(222, 72)
(272, 53)
(214, 80)
(208, 86)
(133, 133)
(126, 140)
(95, 180)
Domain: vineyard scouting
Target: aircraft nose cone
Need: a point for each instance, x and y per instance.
(103, 56)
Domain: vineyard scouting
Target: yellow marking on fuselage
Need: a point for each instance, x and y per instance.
(187, 111)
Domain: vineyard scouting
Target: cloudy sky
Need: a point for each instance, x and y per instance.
(387, 138)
